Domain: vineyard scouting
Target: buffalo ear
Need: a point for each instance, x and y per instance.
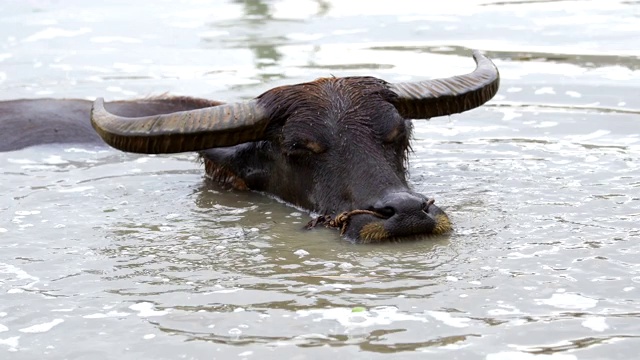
(192, 130)
(446, 96)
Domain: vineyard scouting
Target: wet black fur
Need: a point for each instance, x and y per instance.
(351, 119)
(332, 145)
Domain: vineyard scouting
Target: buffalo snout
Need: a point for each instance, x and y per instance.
(399, 214)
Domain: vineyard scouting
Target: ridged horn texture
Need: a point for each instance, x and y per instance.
(194, 130)
(438, 97)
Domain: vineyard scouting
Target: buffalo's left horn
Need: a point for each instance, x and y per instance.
(438, 97)
(193, 130)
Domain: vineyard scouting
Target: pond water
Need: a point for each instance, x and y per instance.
(106, 255)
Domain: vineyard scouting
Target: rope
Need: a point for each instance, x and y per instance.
(342, 220)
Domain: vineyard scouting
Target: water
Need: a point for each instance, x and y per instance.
(108, 255)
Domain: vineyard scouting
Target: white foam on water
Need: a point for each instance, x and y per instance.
(618, 73)
(11, 342)
(545, 90)
(509, 114)
(595, 323)
(447, 319)
(340, 286)
(41, 328)
(54, 160)
(301, 253)
(76, 189)
(27, 212)
(146, 309)
(546, 124)
(3, 328)
(569, 301)
(110, 314)
(81, 151)
(504, 310)
(383, 315)
(19, 275)
(224, 291)
(149, 336)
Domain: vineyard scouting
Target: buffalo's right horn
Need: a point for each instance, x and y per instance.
(438, 97)
(193, 130)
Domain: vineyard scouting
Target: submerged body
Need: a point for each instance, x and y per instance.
(335, 146)
(25, 123)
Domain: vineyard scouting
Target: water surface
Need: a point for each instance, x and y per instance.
(107, 255)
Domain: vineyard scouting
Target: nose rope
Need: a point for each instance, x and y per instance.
(342, 220)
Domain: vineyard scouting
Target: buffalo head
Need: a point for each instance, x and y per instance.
(335, 146)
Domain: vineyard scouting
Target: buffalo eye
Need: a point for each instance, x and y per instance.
(304, 147)
(398, 133)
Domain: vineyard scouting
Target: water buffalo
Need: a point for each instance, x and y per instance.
(335, 146)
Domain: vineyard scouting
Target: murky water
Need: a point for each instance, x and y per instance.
(106, 255)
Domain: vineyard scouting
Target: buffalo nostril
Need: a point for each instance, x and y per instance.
(401, 204)
(387, 211)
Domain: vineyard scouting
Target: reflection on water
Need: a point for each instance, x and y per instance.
(106, 254)
(582, 60)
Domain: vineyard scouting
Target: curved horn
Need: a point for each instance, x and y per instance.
(438, 97)
(193, 130)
